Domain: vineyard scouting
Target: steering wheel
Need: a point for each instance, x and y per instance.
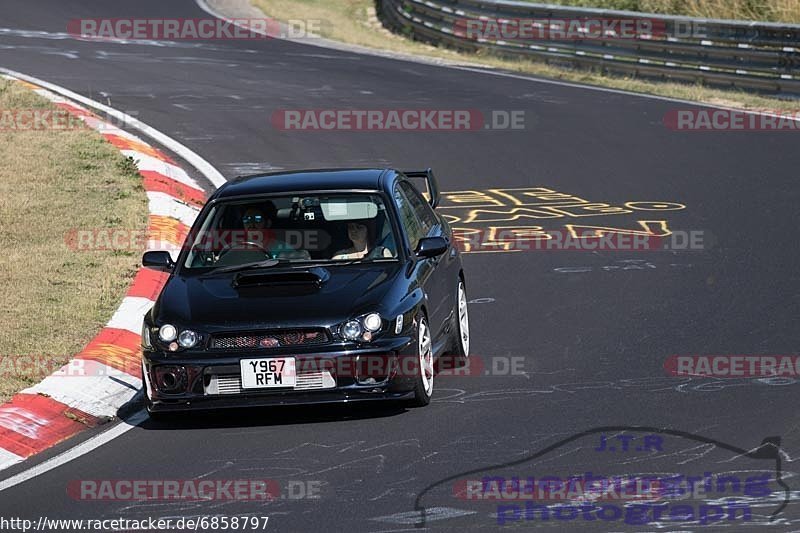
(246, 244)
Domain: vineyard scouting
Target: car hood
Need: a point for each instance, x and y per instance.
(219, 302)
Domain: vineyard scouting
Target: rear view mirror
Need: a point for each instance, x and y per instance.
(159, 260)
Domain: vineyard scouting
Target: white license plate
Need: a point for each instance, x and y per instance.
(268, 373)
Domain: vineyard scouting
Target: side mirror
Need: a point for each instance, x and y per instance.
(158, 261)
(431, 246)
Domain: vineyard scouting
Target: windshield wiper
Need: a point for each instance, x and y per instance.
(305, 263)
(245, 266)
(362, 260)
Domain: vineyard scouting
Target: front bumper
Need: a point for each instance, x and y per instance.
(335, 374)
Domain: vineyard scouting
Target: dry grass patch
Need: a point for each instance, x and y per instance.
(54, 298)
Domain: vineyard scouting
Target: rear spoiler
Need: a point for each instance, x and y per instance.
(430, 180)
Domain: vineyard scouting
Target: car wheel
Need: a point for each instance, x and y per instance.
(461, 340)
(423, 385)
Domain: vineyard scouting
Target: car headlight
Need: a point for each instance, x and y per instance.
(372, 322)
(362, 328)
(170, 338)
(168, 333)
(188, 338)
(351, 330)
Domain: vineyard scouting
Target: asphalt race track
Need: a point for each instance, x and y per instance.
(589, 331)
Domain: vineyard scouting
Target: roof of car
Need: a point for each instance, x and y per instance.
(303, 180)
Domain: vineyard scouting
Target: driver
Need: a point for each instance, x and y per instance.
(256, 221)
(362, 244)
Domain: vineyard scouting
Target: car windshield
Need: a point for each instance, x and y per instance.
(332, 228)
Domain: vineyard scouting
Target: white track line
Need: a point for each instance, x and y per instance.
(78, 451)
(205, 168)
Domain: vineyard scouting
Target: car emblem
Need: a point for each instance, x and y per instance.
(269, 342)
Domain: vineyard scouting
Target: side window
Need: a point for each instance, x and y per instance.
(408, 217)
(421, 207)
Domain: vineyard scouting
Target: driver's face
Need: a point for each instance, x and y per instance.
(356, 232)
(254, 219)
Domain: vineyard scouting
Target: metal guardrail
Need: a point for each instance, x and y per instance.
(747, 55)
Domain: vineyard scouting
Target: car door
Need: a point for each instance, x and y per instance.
(432, 271)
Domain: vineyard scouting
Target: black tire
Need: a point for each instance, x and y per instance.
(460, 346)
(423, 383)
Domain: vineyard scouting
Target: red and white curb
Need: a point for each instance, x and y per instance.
(106, 374)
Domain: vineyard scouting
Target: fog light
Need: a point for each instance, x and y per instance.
(187, 338)
(171, 379)
(373, 369)
(167, 333)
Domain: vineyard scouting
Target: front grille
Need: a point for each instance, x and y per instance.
(268, 339)
(232, 383)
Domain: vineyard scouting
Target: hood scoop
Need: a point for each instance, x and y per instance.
(290, 282)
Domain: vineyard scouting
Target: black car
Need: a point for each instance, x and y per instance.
(307, 287)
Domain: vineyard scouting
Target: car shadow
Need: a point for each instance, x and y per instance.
(271, 416)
